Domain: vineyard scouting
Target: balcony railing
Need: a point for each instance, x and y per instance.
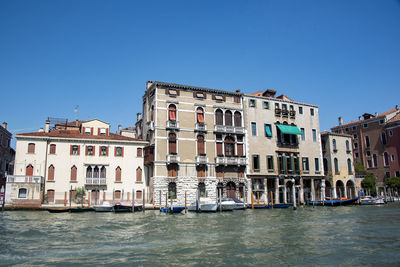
(201, 159)
(239, 130)
(229, 129)
(285, 113)
(201, 127)
(288, 145)
(96, 181)
(278, 112)
(230, 160)
(292, 114)
(172, 124)
(25, 179)
(173, 158)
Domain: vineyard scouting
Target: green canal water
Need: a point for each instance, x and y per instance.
(317, 236)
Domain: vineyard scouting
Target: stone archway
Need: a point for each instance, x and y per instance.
(340, 189)
(231, 189)
(328, 189)
(350, 189)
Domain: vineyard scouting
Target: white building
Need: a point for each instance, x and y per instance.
(52, 163)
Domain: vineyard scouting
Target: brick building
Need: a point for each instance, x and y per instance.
(7, 154)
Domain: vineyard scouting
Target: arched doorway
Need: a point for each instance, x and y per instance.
(95, 197)
(350, 189)
(230, 189)
(328, 189)
(340, 189)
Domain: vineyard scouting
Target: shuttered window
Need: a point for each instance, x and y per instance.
(118, 174)
(200, 145)
(73, 173)
(172, 143)
(219, 117)
(219, 149)
(228, 118)
(172, 112)
(172, 170)
(29, 170)
(139, 152)
(31, 148)
(238, 119)
(240, 149)
(52, 149)
(139, 175)
(201, 171)
(50, 176)
(200, 115)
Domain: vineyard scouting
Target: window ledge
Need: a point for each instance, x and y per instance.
(118, 182)
(306, 172)
(50, 181)
(318, 172)
(139, 182)
(72, 181)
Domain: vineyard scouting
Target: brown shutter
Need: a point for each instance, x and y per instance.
(107, 151)
(219, 149)
(139, 152)
(122, 151)
(138, 174)
(70, 150)
(98, 131)
(29, 170)
(115, 151)
(91, 131)
(83, 131)
(240, 149)
(94, 150)
(79, 149)
(50, 176)
(107, 131)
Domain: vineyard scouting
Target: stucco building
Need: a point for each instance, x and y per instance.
(283, 147)
(197, 142)
(392, 128)
(50, 164)
(7, 154)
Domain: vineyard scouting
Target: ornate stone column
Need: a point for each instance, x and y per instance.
(276, 191)
(322, 189)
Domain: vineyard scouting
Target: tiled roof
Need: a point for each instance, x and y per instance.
(182, 86)
(396, 118)
(378, 116)
(78, 135)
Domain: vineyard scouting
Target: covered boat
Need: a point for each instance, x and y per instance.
(105, 207)
(334, 202)
(205, 205)
(173, 209)
(122, 208)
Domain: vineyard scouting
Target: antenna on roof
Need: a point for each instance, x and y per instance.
(76, 110)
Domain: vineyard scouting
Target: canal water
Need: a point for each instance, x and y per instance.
(360, 235)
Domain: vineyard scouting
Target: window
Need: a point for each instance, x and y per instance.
(172, 143)
(90, 150)
(103, 151)
(276, 105)
(172, 112)
(383, 138)
(316, 161)
(73, 173)
(284, 107)
(31, 148)
(200, 145)
(89, 172)
(314, 135)
(152, 113)
(303, 134)
(139, 152)
(102, 131)
(270, 163)
(50, 176)
(397, 174)
(139, 175)
(74, 150)
(200, 115)
(365, 125)
(368, 153)
(355, 136)
(325, 162)
(256, 163)
(268, 130)
(171, 191)
(238, 119)
(336, 166)
(390, 133)
(118, 174)
(172, 170)
(385, 159)
(356, 155)
(349, 166)
(199, 95)
(22, 193)
(103, 172)
(96, 172)
(375, 161)
(117, 194)
(266, 105)
(139, 194)
(201, 171)
(312, 111)
(29, 170)
(381, 121)
(387, 174)
(119, 151)
(354, 128)
(347, 129)
(236, 99)
(252, 103)
(347, 146)
(52, 149)
(334, 145)
(367, 144)
(306, 166)
(219, 98)
(88, 131)
(202, 189)
(172, 93)
(355, 145)
(229, 146)
(253, 129)
(228, 118)
(50, 195)
(392, 157)
(219, 120)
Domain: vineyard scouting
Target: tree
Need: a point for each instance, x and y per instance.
(80, 194)
(369, 183)
(359, 168)
(393, 182)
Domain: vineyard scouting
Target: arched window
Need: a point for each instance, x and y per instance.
(219, 120)
(31, 148)
(117, 194)
(202, 189)
(96, 172)
(29, 170)
(229, 146)
(367, 141)
(200, 115)
(138, 174)
(73, 173)
(172, 191)
(334, 144)
(347, 145)
(172, 170)
(118, 174)
(50, 176)
(200, 144)
(22, 193)
(228, 118)
(238, 119)
(89, 172)
(385, 159)
(172, 112)
(52, 149)
(349, 166)
(336, 165)
(172, 143)
(103, 172)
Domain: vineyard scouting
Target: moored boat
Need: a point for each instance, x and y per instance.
(81, 209)
(227, 204)
(58, 210)
(275, 206)
(205, 205)
(334, 202)
(105, 207)
(122, 208)
(173, 209)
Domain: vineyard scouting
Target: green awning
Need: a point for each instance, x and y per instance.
(289, 129)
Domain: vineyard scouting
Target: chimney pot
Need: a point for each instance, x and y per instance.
(237, 90)
(47, 128)
(359, 118)
(119, 129)
(139, 115)
(397, 107)
(340, 120)
(5, 125)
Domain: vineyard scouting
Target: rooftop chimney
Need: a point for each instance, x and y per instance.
(41, 130)
(47, 129)
(359, 118)
(397, 107)
(5, 125)
(376, 114)
(340, 120)
(119, 128)
(148, 84)
(237, 90)
(138, 116)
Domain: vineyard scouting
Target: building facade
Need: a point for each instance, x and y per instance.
(52, 163)
(197, 142)
(284, 148)
(392, 128)
(370, 142)
(340, 178)
(7, 154)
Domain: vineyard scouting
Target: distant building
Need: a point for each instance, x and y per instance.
(392, 157)
(370, 142)
(340, 178)
(52, 163)
(7, 154)
(283, 147)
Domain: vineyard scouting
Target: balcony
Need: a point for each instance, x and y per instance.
(201, 159)
(173, 124)
(173, 158)
(285, 113)
(229, 129)
(25, 179)
(292, 114)
(239, 130)
(150, 125)
(278, 112)
(230, 160)
(96, 181)
(288, 144)
(201, 127)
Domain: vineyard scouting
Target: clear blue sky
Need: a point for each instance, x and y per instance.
(343, 55)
